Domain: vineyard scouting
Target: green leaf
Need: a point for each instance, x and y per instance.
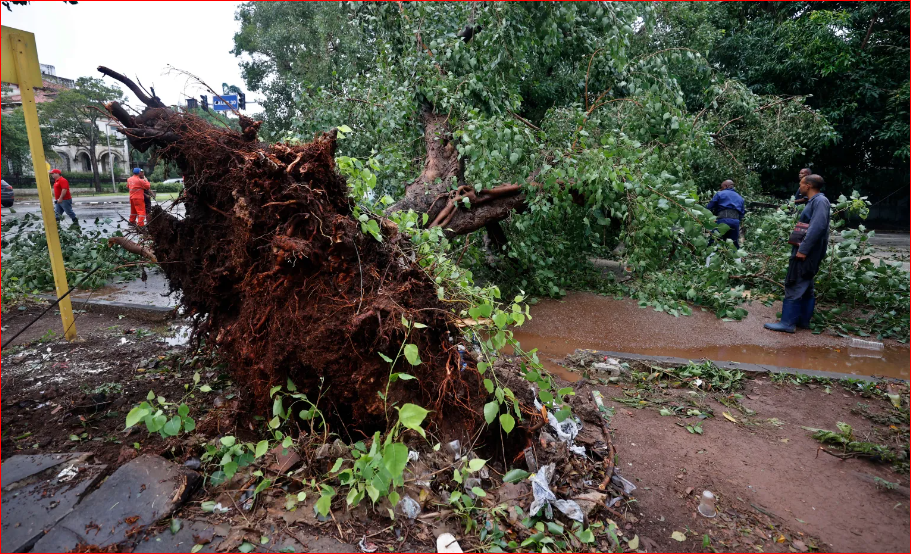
(245, 547)
(261, 448)
(515, 476)
(277, 409)
(411, 354)
(482, 367)
(136, 415)
(545, 396)
(196, 378)
(395, 458)
(488, 384)
(324, 504)
(205, 388)
(275, 423)
(208, 506)
(230, 469)
(411, 416)
(337, 466)
(183, 410)
(476, 464)
(406, 376)
(150, 396)
(491, 409)
(478, 491)
(196, 548)
(228, 441)
(172, 427)
(507, 422)
(385, 358)
(274, 390)
(586, 536)
(263, 485)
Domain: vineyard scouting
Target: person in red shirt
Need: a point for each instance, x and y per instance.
(138, 185)
(63, 200)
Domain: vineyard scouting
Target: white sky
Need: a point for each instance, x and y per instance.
(138, 39)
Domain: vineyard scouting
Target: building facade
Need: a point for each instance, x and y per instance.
(70, 157)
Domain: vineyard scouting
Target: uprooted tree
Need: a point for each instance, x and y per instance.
(285, 283)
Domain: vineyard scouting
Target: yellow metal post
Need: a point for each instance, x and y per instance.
(19, 48)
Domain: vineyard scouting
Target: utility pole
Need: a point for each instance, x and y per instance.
(107, 134)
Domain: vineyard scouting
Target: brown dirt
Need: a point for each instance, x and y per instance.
(54, 389)
(768, 463)
(286, 284)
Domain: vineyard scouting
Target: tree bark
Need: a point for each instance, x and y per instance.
(432, 192)
(93, 142)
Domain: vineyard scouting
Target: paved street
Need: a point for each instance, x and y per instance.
(115, 208)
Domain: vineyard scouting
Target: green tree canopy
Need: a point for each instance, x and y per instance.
(73, 117)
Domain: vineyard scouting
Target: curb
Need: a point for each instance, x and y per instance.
(745, 367)
(152, 314)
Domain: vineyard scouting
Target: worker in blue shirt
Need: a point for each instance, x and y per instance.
(799, 298)
(728, 207)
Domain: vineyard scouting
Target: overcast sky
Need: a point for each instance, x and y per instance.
(138, 39)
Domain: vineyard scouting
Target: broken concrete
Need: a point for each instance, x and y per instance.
(35, 498)
(18, 468)
(137, 495)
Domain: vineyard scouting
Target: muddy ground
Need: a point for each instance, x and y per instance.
(775, 492)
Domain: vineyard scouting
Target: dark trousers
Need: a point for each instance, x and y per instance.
(798, 283)
(734, 231)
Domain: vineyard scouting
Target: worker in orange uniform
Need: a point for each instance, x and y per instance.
(138, 185)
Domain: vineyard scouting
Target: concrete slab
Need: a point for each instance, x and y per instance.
(137, 495)
(18, 468)
(186, 538)
(34, 504)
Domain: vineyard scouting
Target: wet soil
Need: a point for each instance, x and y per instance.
(62, 397)
(763, 464)
(590, 321)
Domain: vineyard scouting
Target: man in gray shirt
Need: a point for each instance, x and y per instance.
(799, 298)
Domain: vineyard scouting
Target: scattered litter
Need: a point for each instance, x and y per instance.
(455, 448)
(618, 480)
(193, 463)
(729, 417)
(566, 430)
(413, 455)
(447, 543)
(609, 365)
(67, 474)
(544, 498)
(866, 344)
(707, 504)
(678, 536)
(409, 507)
(366, 546)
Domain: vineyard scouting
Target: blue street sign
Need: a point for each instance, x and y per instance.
(224, 102)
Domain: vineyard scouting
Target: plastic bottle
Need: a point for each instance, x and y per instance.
(866, 344)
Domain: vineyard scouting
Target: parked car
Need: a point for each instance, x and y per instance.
(166, 181)
(9, 196)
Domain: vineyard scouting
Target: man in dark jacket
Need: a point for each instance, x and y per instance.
(799, 197)
(799, 298)
(728, 207)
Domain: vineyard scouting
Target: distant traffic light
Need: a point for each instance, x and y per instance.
(205, 101)
(242, 101)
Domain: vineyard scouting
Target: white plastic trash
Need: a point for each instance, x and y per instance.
(866, 344)
(447, 543)
(707, 504)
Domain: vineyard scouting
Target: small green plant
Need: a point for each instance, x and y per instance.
(695, 428)
(376, 472)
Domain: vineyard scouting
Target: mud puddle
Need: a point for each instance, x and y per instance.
(587, 321)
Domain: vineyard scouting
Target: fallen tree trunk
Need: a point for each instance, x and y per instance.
(432, 193)
(284, 284)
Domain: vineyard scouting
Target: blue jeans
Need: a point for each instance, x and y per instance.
(65, 206)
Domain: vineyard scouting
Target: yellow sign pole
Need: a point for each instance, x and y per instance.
(19, 48)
